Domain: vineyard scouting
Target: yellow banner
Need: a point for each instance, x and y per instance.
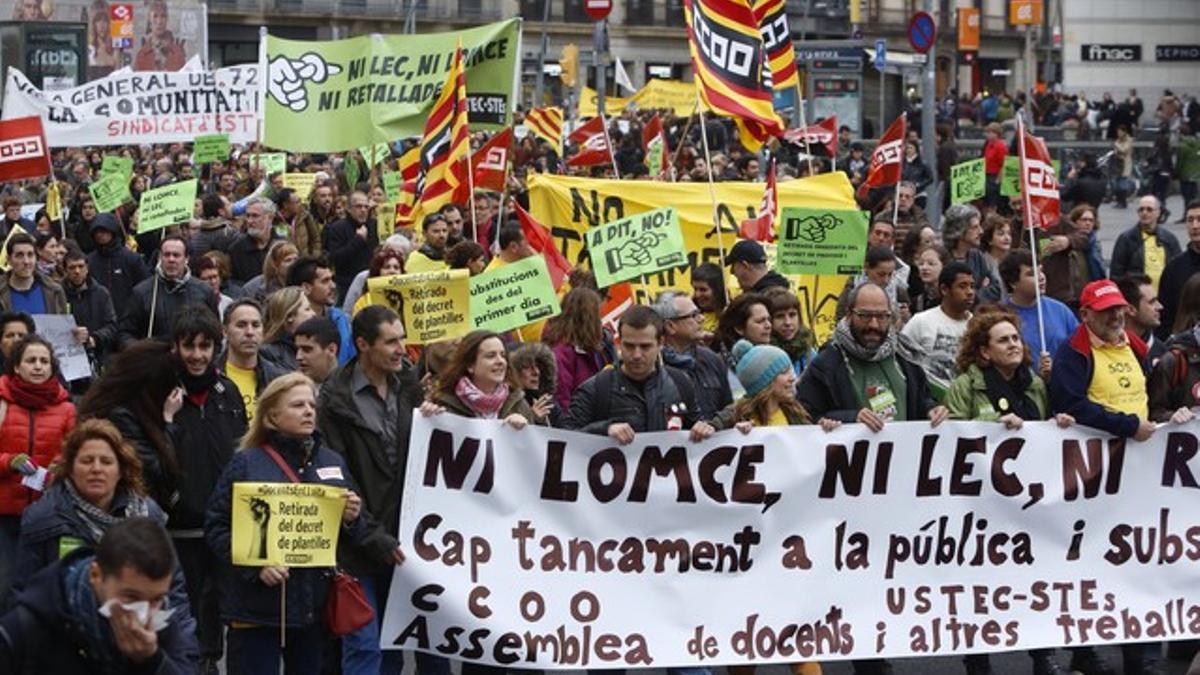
(658, 93)
(302, 183)
(589, 102)
(290, 524)
(434, 306)
(572, 205)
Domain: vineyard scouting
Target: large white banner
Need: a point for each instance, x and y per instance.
(131, 108)
(551, 549)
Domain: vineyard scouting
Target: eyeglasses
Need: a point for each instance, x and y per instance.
(1146, 208)
(868, 317)
(696, 314)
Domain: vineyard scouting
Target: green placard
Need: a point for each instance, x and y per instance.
(821, 241)
(118, 164)
(512, 296)
(338, 95)
(654, 156)
(210, 148)
(640, 244)
(353, 170)
(271, 162)
(381, 152)
(166, 206)
(968, 181)
(1010, 177)
(392, 183)
(110, 191)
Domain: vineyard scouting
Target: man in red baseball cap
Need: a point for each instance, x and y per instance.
(1099, 378)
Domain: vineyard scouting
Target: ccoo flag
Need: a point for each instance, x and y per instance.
(23, 149)
(654, 144)
(446, 143)
(887, 159)
(822, 133)
(1038, 181)
(777, 39)
(729, 62)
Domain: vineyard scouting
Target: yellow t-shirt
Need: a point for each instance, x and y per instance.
(247, 385)
(1118, 383)
(709, 321)
(777, 419)
(1154, 258)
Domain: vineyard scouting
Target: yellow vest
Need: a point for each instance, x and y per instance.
(1118, 383)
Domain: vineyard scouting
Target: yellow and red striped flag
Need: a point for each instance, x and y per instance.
(547, 124)
(731, 68)
(446, 143)
(777, 39)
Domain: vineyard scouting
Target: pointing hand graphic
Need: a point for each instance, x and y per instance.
(287, 77)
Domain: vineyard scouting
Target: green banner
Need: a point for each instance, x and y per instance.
(392, 183)
(821, 241)
(512, 296)
(210, 148)
(271, 162)
(374, 154)
(640, 244)
(118, 164)
(968, 181)
(110, 191)
(1010, 177)
(166, 206)
(338, 95)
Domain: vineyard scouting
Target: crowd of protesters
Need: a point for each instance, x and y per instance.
(242, 346)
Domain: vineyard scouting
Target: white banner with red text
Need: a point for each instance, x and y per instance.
(551, 549)
(134, 108)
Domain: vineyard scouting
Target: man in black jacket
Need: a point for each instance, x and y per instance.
(55, 628)
(350, 242)
(748, 262)
(639, 396)
(365, 413)
(205, 432)
(112, 264)
(682, 349)
(91, 303)
(155, 302)
(248, 253)
(1177, 273)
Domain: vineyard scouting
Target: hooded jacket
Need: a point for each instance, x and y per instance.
(36, 433)
(173, 296)
(113, 265)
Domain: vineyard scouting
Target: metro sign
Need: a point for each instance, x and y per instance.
(1025, 12)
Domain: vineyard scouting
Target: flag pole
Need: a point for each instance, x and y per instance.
(804, 126)
(683, 137)
(608, 142)
(471, 198)
(1033, 248)
(900, 178)
(712, 190)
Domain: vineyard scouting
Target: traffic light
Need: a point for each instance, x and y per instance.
(569, 60)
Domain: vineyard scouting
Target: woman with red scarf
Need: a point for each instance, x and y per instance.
(35, 415)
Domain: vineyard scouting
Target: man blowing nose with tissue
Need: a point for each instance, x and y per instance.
(103, 611)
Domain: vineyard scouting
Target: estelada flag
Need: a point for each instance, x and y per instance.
(887, 159)
(540, 240)
(654, 143)
(23, 150)
(731, 69)
(593, 144)
(547, 124)
(490, 163)
(446, 143)
(1038, 181)
(822, 133)
(777, 38)
(762, 227)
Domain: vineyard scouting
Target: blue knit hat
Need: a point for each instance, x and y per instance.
(759, 365)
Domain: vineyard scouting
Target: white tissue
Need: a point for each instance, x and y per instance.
(141, 610)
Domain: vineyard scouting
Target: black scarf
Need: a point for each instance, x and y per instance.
(1008, 396)
(194, 384)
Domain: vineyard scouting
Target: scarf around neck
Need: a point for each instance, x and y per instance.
(34, 396)
(483, 404)
(843, 338)
(1008, 396)
(125, 504)
(77, 589)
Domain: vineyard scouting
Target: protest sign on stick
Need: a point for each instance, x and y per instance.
(210, 148)
(512, 296)
(434, 306)
(110, 191)
(637, 245)
(167, 205)
(968, 181)
(58, 329)
(288, 524)
(821, 241)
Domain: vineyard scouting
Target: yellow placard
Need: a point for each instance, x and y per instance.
(434, 306)
(289, 524)
(302, 183)
(572, 205)
(385, 219)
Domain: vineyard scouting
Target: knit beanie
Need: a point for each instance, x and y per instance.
(759, 365)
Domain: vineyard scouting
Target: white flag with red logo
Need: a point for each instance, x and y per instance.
(23, 150)
(593, 144)
(822, 133)
(887, 159)
(489, 164)
(762, 228)
(1039, 183)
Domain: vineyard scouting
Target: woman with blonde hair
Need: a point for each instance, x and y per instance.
(275, 268)
(285, 309)
(282, 445)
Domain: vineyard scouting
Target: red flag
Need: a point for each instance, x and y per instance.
(654, 143)
(762, 228)
(887, 159)
(490, 163)
(1039, 183)
(593, 144)
(540, 240)
(620, 298)
(23, 150)
(821, 133)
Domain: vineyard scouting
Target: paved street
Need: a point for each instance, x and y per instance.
(1113, 221)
